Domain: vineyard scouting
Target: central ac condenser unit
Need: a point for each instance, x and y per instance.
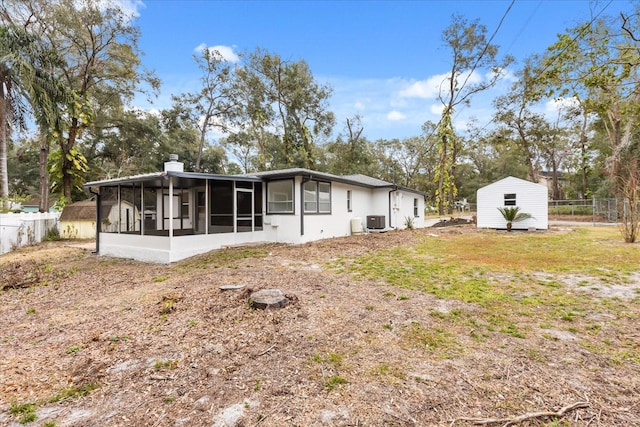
(375, 222)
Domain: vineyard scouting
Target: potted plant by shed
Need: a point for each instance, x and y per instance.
(513, 214)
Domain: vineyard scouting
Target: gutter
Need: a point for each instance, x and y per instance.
(96, 251)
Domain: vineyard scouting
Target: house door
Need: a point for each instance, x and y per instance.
(244, 210)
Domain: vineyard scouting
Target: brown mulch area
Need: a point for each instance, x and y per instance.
(162, 345)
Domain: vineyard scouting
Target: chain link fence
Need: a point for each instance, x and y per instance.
(596, 210)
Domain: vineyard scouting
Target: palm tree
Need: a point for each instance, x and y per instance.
(513, 214)
(26, 83)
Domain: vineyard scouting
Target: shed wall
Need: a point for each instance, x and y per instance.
(530, 197)
(78, 229)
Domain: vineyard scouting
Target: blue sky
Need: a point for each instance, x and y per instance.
(380, 57)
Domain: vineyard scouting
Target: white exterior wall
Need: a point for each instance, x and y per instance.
(531, 198)
(338, 223)
(141, 248)
(362, 200)
(162, 249)
(403, 208)
(282, 228)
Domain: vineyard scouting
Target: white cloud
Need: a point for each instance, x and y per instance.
(427, 89)
(359, 105)
(505, 74)
(226, 52)
(555, 105)
(129, 8)
(395, 116)
(434, 85)
(436, 109)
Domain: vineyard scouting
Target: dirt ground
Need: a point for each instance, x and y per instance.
(96, 341)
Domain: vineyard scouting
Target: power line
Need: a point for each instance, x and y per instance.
(486, 47)
(475, 65)
(557, 56)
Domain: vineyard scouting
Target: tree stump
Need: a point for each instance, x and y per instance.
(268, 298)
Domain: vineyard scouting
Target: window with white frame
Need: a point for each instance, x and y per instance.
(317, 197)
(280, 196)
(510, 199)
(415, 207)
(349, 207)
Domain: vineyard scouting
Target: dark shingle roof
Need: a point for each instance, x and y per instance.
(79, 211)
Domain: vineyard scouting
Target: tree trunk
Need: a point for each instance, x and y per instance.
(44, 175)
(584, 161)
(441, 168)
(526, 147)
(67, 164)
(4, 129)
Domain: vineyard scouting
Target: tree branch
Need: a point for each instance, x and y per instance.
(524, 417)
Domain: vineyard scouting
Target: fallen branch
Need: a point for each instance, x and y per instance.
(524, 417)
(265, 352)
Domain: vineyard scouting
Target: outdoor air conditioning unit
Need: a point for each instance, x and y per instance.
(375, 222)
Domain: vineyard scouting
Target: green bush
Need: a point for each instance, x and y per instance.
(53, 234)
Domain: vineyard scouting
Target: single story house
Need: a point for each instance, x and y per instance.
(530, 197)
(171, 215)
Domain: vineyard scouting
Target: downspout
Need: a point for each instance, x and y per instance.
(96, 251)
(395, 188)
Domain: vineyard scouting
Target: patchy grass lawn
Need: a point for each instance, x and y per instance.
(447, 326)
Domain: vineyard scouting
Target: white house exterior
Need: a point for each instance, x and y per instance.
(186, 213)
(531, 198)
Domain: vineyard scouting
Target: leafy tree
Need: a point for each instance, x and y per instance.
(215, 105)
(57, 160)
(284, 96)
(514, 111)
(351, 152)
(100, 69)
(23, 167)
(470, 52)
(125, 143)
(599, 61)
(26, 85)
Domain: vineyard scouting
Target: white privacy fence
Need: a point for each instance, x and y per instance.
(22, 229)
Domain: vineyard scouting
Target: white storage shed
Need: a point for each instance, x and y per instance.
(530, 197)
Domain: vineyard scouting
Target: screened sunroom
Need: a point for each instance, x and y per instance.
(178, 205)
(142, 211)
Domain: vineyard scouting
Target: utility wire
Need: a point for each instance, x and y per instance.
(557, 56)
(486, 47)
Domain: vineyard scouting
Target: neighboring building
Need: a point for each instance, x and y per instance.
(78, 220)
(510, 192)
(546, 178)
(187, 213)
